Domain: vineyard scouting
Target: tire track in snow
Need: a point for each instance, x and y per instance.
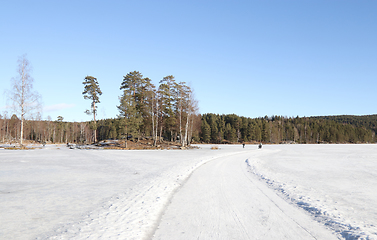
(231, 209)
(131, 215)
(221, 195)
(277, 205)
(318, 213)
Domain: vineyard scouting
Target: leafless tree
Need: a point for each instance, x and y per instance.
(2, 132)
(192, 117)
(25, 101)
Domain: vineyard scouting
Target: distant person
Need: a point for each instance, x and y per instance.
(260, 146)
(243, 145)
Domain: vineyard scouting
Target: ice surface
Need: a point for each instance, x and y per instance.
(336, 184)
(62, 193)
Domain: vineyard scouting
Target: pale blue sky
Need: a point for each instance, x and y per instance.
(251, 58)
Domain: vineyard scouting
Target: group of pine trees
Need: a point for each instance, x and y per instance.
(168, 111)
(277, 129)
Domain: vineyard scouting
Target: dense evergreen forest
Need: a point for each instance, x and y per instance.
(367, 121)
(277, 129)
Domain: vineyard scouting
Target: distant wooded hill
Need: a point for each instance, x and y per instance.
(213, 128)
(277, 129)
(367, 121)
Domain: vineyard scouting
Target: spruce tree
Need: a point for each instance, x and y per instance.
(206, 131)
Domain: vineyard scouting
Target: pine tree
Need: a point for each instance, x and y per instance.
(166, 89)
(128, 112)
(142, 92)
(92, 92)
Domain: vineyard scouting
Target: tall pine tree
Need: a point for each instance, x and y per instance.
(92, 92)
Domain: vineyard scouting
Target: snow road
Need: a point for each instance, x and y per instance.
(223, 200)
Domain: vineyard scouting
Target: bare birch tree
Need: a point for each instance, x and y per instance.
(152, 102)
(25, 101)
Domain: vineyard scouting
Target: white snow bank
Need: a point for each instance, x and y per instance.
(62, 193)
(336, 184)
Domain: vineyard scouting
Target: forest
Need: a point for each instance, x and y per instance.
(206, 128)
(367, 121)
(277, 129)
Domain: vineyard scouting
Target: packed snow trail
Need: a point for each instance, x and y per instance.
(222, 200)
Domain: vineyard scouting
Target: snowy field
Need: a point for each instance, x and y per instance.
(62, 193)
(337, 184)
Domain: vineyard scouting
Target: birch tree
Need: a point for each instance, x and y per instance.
(25, 101)
(190, 110)
(182, 109)
(153, 103)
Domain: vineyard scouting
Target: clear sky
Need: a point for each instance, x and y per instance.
(251, 58)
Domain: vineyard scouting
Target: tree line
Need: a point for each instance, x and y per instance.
(209, 128)
(277, 129)
(41, 131)
(366, 121)
(167, 112)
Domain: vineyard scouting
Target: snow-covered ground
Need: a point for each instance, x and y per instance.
(223, 200)
(336, 184)
(62, 193)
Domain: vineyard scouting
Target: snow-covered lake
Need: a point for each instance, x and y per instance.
(60, 193)
(335, 183)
